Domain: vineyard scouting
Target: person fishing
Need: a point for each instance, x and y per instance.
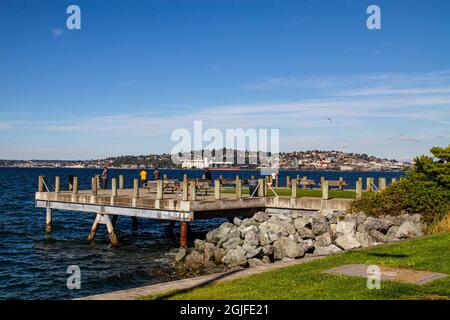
(104, 177)
(143, 176)
(252, 186)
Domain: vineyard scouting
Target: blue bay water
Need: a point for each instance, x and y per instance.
(33, 264)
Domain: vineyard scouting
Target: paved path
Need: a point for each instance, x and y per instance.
(190, 283)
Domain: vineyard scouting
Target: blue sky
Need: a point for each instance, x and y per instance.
(137, 70)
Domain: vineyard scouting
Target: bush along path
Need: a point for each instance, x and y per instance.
(292, 235)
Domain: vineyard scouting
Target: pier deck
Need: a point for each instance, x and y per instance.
(184, 205)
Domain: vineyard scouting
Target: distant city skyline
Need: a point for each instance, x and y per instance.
(137, 71)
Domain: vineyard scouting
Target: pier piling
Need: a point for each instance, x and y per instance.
(75, 185)
(238, 188)
(217, 187)
(94, 186)
(381, 184)
(121, 181)
(41, 184)
(183, 234)
(358, 189)
(48, 220)
(57, 184)
(294, 188)
(135, 188)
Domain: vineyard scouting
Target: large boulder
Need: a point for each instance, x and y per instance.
(364, 238)
(302, 222)
(378, 236)
(381, 225)
(320, 227)
(180, 254)
(214, 236)
(232, 243)
(281, 225)
(308, 245)
(253, 253)
(287, 248)
(323, 240)
(218, 254)
(260, 216)
(346, 226)
(408, 230)
(237, 222)
(235, 257)
(193, 260)
(324, 251)
(347, 242)
(249, 222)
(305, 233)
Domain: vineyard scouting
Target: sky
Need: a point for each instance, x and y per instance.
(138, 70)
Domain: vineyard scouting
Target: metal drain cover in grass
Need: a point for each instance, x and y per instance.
(387, 273)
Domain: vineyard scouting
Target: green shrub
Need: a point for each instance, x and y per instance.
(411, 196)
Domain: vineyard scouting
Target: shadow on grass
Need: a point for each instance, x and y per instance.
(388, 255)
(202, 284)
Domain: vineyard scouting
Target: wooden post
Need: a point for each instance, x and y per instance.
(135, 188)
(75, 185)
(48, 220)
(203, 176)
(321, 180)
(393, 180)
(57, 184)
(369, 186)
(325, 190)
(110, 228)
(381, 184)
(261, 188)
(236, 179)
(183, 233)
(288, 181)
(238, 188)
(217, 187)
(41, 184)
(97, 181)
(94, 187)
(185, 190)
(185, 177)
(358, 189)
(159, 189)
(294, 188)
(276, 181)
(113, 187)
(192, 191)
(252, 177)
(94, 227)
(164, 176)
(120, 181)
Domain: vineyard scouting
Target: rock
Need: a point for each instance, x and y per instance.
(287, 248)
(408, 230)
(346, 226)
(199, 245)
(347, 242)
(260, 216)
(209, 251)
(267, 235)
(302, 222)
(249, 222)
(193, 260)
(235, 233)
(214, 236)
(421, 226)
(245, 230)
(254, 262)
(253, 253)
(308, 245)
(219, 254)
(333, 232)
(416, 218)
(235, 257)
(280, 225)
(320, 227)
(324, 251)
(232, 243)
(377, 224)
(305, 233)
(334, 217)
(180, 254)
(266, 259)
(247, 246)
(237, 222)
(392, 233)
(378, 236)
(365, 239)
(267, 250)
(323, 240)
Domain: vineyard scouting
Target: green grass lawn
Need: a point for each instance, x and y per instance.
(305, 281)
(348, 194)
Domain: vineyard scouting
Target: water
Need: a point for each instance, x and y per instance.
(33, 264)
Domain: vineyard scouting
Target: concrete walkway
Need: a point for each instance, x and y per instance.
(191, 283)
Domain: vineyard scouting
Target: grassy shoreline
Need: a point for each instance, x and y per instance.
(305, 281)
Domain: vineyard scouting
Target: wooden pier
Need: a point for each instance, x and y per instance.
(184, 203)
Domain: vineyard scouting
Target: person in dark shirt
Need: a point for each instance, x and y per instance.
(252, 186)
(105, 178)
(208, 175)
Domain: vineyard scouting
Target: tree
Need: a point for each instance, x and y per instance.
(435, 169)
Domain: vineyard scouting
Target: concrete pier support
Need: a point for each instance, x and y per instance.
(261, 188)
(48, 220)
(369, 184)
(75, 185)
(238, 188)
(381, 184)
(103, 219)
(217, 187)
(358, 189)
(57, 184)
(294, 188)
(121, 181)
(325, 188)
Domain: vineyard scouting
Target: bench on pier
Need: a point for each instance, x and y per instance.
(305, 183)
(337, 184)
(203, 186)
(168, 185)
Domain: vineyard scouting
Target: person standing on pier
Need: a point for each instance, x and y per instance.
(208, 175)
(105, 178)
(143, 176)
(155, 173)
